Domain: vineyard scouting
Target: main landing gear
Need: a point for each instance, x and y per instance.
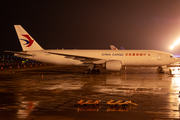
(92, 69)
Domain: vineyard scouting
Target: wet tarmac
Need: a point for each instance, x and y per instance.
(52, 93)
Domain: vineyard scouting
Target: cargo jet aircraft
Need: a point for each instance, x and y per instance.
(114, 48)
(112, 60)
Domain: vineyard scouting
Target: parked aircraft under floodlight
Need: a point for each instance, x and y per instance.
(113, 60)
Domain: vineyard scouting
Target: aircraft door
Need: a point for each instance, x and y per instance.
(159, 57)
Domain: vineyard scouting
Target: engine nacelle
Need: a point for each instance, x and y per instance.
(113, 65)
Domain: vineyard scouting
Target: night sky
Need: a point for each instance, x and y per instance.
(93, 24)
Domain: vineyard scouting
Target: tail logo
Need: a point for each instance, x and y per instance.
(28, 41)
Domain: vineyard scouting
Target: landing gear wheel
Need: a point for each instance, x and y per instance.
(92, 71)
(98, 71)
(86, 71)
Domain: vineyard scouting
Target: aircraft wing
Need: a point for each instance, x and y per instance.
(80, 58)
(20, 53)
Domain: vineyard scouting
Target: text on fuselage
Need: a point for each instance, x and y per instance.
(125, 54)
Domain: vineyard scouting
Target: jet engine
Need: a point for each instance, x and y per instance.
(113, 65)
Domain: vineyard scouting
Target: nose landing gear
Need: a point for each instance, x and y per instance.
(160, 70)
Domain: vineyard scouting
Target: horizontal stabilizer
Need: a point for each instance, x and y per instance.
(20, 53)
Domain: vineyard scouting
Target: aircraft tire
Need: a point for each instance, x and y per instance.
(86, 71)
(98, 71)
(92, 71)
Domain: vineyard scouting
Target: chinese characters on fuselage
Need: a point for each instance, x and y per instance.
(125, 54)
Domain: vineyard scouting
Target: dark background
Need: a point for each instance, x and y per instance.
(92, 24)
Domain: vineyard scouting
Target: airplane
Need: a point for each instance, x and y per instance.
(122, 48)
(112, 60)
(115, 48)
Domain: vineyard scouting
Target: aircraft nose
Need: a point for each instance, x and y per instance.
(176, 59)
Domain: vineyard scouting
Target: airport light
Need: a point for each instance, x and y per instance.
(176, 43)
(171, 47)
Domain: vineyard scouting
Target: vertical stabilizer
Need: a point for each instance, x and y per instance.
(27, 42)
(113, 47)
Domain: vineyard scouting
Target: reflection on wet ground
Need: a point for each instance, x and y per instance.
(52, 92)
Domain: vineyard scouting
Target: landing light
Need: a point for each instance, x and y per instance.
(176, 43)
(171, 47)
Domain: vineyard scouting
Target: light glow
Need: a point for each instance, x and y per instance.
(176, 43)
(172, 47)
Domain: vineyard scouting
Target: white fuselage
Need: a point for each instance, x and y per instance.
(127, 57)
